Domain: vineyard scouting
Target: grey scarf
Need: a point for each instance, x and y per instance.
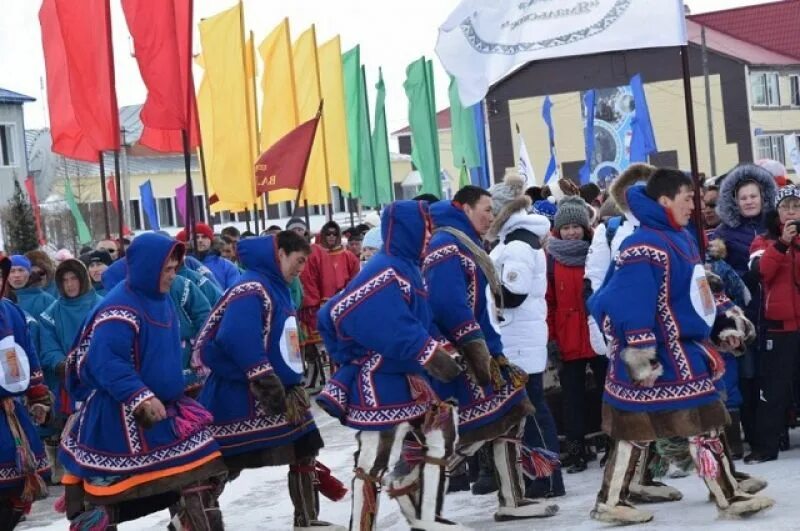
(571, 253)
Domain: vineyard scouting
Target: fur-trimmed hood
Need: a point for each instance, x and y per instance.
(636, 173)
(727, 209)
(515, 205)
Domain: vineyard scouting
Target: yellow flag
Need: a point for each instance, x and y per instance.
(316, 188)
(333, 114)
(231, 172)
(279, 105)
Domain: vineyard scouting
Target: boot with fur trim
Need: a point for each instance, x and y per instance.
(644, 489)
(622, 513)
(612, 505)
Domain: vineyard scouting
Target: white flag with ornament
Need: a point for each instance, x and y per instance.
(524, 166)
(792, 145)
(482, 40)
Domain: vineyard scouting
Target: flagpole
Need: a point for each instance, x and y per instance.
(435, 133)
(687, 99)
(369, 144)
(120, 213)
(386, 139)
(305, 168)
(202, 157)
(250, 124)
(324, 141)
(255, 129)
(191, 233)
(106, 223)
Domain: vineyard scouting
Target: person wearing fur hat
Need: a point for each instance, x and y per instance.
(567, 320)
(60, 324)
(660, 313)
(96, 263)
(43, 268)
(31, 298)
(226, 273)
(521, 265)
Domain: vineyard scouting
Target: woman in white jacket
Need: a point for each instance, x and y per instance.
(521, 315)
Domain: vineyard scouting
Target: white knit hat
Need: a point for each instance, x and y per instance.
(512, 187)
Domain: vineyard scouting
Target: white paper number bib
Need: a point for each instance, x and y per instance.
(15, 369)
(702, 298)
(290, 346)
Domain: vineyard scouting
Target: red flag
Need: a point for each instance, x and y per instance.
(111, 186)
(82, 31)
(30, 186)
(162, 39)
(284, 164)
(67, 135)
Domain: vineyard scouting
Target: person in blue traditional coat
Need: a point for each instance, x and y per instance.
(137, 444)
(249, 348)
(24, 467)
(207, 285)
(60, 324)
(658, 310)
(378, 330)
(492, 402)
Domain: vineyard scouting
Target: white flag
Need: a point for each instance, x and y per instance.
(482, 40)
(524, 166)
(792, 153)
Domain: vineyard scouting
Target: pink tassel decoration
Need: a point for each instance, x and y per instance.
(94, 520)
(60, 506)
(538, 463)
(706, 461)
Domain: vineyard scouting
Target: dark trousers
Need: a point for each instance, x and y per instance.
(573, 388)
(777, 367)
(540, 432)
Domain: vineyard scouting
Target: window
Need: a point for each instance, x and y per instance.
(136, 216)
(794, 86)
(8, 133)
(765, 89)
(770, 147)
(166, 212)
(199, 208)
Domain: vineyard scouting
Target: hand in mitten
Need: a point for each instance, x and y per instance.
(150, 412)
(643, 365)
(40, 402)
(732, 331)
(270, 393)
(297, 405)
(442, 366)
(476, 354)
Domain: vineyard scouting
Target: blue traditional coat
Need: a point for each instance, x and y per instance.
(34, 300)
(12, 479)
(658, 296)
(458, 288)
(128, 352)
(251, 332)
(378, 331)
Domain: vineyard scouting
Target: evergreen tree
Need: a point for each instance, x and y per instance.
(20, 224)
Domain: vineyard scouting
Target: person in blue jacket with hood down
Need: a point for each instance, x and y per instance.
(30, 297)
(23, 464)
(378, 330)
(137, 444)
(492, 402)
(250, 349)
(60, 324)
(658, 309)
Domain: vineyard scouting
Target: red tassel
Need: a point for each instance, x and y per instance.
(538, 463)
(708, 448)
(60, 506)
(329, 485)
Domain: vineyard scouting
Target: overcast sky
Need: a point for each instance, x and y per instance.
(391, 34)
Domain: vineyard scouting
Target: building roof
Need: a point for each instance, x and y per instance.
(442, 122)
(773, 26)
(9, 96)
(735, 48)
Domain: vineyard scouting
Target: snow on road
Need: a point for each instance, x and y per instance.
(259, 499)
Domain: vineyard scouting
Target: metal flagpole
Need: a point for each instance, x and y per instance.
(104, 195)
(697, 215)
(120, 211)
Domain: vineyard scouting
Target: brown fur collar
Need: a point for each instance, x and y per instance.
(634, 174)
(515, 205)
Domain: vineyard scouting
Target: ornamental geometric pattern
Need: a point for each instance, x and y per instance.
(10, 473)
(639, 338)
(251, 425)
(77, 356)
(473, 412)
(467, 265)
(379, 281)
(389, 415)
(427, 351)
(258, 370)
(666, 393)
(336, 394)
(131, 426)
(465, 330)
(131, 463)
(367, 380)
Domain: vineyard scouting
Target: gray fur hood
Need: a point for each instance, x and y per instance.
(727, 208)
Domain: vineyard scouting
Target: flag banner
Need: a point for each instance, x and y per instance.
(368, 191)
(162, 42)
(613, 114)
(180, 202)
(84, 235)
(424, 132)
(354, 111)
(791, 144)
(482, 40)
(81, 98)
(643, 140)
(380, 146)
(334, 119)
(30, 186)
(480, 175)
(149, 204)
(524, 166)
(464, 137)
(463, 177)
(585, 172)
(284, 164)
(552, 166)
(111, 187)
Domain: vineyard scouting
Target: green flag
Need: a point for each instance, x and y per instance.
(380, 145)
(351, 73)
(422, 120)
(463, 177)
(465, 140)
(84, 236)
(366, 171)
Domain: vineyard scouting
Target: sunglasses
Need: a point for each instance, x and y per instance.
(711, 204)
(109, 251)
(331, 233)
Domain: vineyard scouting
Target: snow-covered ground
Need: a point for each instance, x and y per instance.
(259, 499)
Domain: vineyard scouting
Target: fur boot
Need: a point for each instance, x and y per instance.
(198, 509)
(611, 506)
(56, 469)
(304, 492)
(486, 483)
(643, 488)
(372, 459)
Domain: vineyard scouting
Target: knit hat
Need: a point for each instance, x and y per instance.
(296, 223)
(373, 219)
(777, 170)
(63, 254)
(571, 209)
(563, 188)
(503, 193)
(96, 256)
(786, 191)
(373, 238)
(42, 260)
(546, 207)
(204, 230)
(17, 260)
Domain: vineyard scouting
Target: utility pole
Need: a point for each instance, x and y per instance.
(709, 117)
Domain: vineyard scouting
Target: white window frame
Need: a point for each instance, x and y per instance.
(762, 78)
(173, 210)
(794, 90)
(770, 147)
(13, 161)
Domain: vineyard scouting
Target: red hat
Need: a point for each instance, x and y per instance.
(201, 228)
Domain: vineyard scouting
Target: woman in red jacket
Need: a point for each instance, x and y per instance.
(568, 324)
(779, 269)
